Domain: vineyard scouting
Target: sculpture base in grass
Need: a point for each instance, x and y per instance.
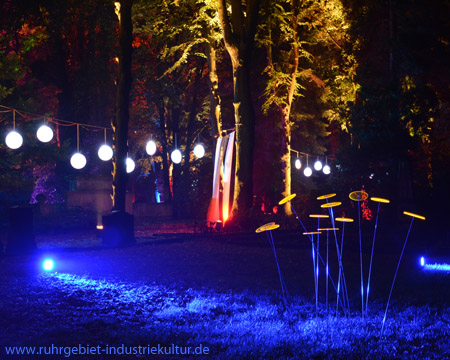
(20, 233)
(118, 229)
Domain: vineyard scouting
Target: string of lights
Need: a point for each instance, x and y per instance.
(14, 140)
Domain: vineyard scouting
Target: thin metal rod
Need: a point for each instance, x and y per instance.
(371, 257)
(395, 276)
(278, 267)
(14, 119)
(360, 261)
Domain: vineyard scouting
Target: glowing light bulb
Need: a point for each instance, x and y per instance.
(199, 151)
(130, 165)
(318, 165)
(78, 161)
(105, 152)
(326, 170)
(176, 156)
(44, 133)
(151, 147)
(48, 264)
(422, 261)
(307, 172)
(14, 140)
(298, 164)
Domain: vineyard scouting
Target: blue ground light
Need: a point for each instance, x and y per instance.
(48, 264)
(434, 267)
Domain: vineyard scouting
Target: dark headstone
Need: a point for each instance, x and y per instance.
(118, 229)
(20, 233)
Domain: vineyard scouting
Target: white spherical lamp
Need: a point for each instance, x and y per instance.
(326, 170)
(151, 148)
(105, 152)
(44, 133)
(130, 165)
(78, 161)
(14, 140)
(199, 151)
(298, 164)
(307, 172)
(176, 156)
(318, 165)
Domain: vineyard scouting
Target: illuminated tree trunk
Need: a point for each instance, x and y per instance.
(286, 111)
(238, 34)
(214, 97)
(120, 123)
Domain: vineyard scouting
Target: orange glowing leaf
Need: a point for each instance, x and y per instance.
(358, 195)
(264, 227)
(287, 199)
(320, 216)
(414, 215)
(344, 219)
(327, 196)
(380, 200)
(332, 204)
(327, 229)
(312, 233)
(273, 227)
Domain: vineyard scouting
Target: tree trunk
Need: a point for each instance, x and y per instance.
(214, 97)
(239, 39)
(286, 112)
(120, 125)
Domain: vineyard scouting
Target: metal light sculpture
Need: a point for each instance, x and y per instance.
(413, 216)
(268, 228)
(318, 217)
(343, 220)
(379, 201)
(360, 196)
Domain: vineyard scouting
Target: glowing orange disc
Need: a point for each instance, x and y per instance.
(287, 199)
(344, 219)
(273, 227)
(320, 216)
(331, 204)
(380, 200)
(358, 195)
(327, 196)
(264, 227)
(414, 215)
(312, 233)
(327, 229)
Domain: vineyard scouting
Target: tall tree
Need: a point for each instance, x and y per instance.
(120, 125)
(238, 30)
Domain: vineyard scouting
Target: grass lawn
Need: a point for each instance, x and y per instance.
(221, 292)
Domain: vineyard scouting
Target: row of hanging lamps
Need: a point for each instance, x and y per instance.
(14, 140)
(318, 165)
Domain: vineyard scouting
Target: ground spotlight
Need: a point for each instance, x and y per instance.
(48, 264)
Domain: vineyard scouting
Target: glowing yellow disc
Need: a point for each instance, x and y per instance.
(344, 219)
(358, 195)
(327, 196)
(332, 204)
(273, 227)
(264, 227)
(414, 215)
(318, 216)
(327, 229)
(287, 199)
(312, 233)
(380, 200)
